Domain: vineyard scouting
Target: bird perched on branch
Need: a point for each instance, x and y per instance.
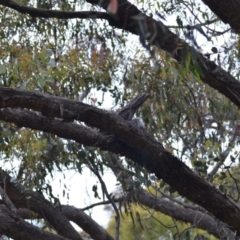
(131, 108)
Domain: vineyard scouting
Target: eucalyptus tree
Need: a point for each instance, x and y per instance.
(174, 64)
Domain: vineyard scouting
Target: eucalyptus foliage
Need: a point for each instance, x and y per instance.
(103, 61)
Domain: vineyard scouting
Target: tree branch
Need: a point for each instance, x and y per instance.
(181, 213)
(104, 188)
(44, 13)
(131, 19)
(33, 201)
(227, 11)
(77, 216)
(37, 203)
(22, 229)
(130, 142)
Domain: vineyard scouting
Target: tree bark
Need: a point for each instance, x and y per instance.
(13, 226)
(227, 10)
(37, 203)
(128, 141)
(131, 19)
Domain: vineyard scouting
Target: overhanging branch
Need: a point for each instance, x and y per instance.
(227, 11)
(44, 13)
(131, 19)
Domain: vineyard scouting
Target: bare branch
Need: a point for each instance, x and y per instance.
(34, 201)
(77, 216)
(44, 13)
(227, 11)
(7, 201)
(22, 229)
(37, 203)
(104, 188)
(130, 18)
(178, 212)
(99, 204)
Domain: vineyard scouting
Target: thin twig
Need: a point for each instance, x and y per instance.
(100, 203)
(95, 171)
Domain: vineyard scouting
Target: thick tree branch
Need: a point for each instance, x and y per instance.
(37, 203)
(86, 223)
(134, 144)
(75, 215)
(195, 217)
(30, 203)
(131, 19)
(228, 11)
(7, 201)
(13, 226)
(44, 13)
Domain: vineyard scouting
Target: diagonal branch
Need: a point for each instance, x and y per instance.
(37, 203)
(7, 201)
(22, 229)
(195, 217)
(131, 19)
(183, 214)
(130, 142)
(227, 11)
(73, 214)
(44, 13)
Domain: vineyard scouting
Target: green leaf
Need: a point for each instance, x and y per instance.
(221, 188)
(52, 142)
(208, 143)
(69, 147)
(197, 163)
(81, 155)
(51, 62)
(41, 82)
(49, 52)
(2, 69)
(162, 184)
(49, 79)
